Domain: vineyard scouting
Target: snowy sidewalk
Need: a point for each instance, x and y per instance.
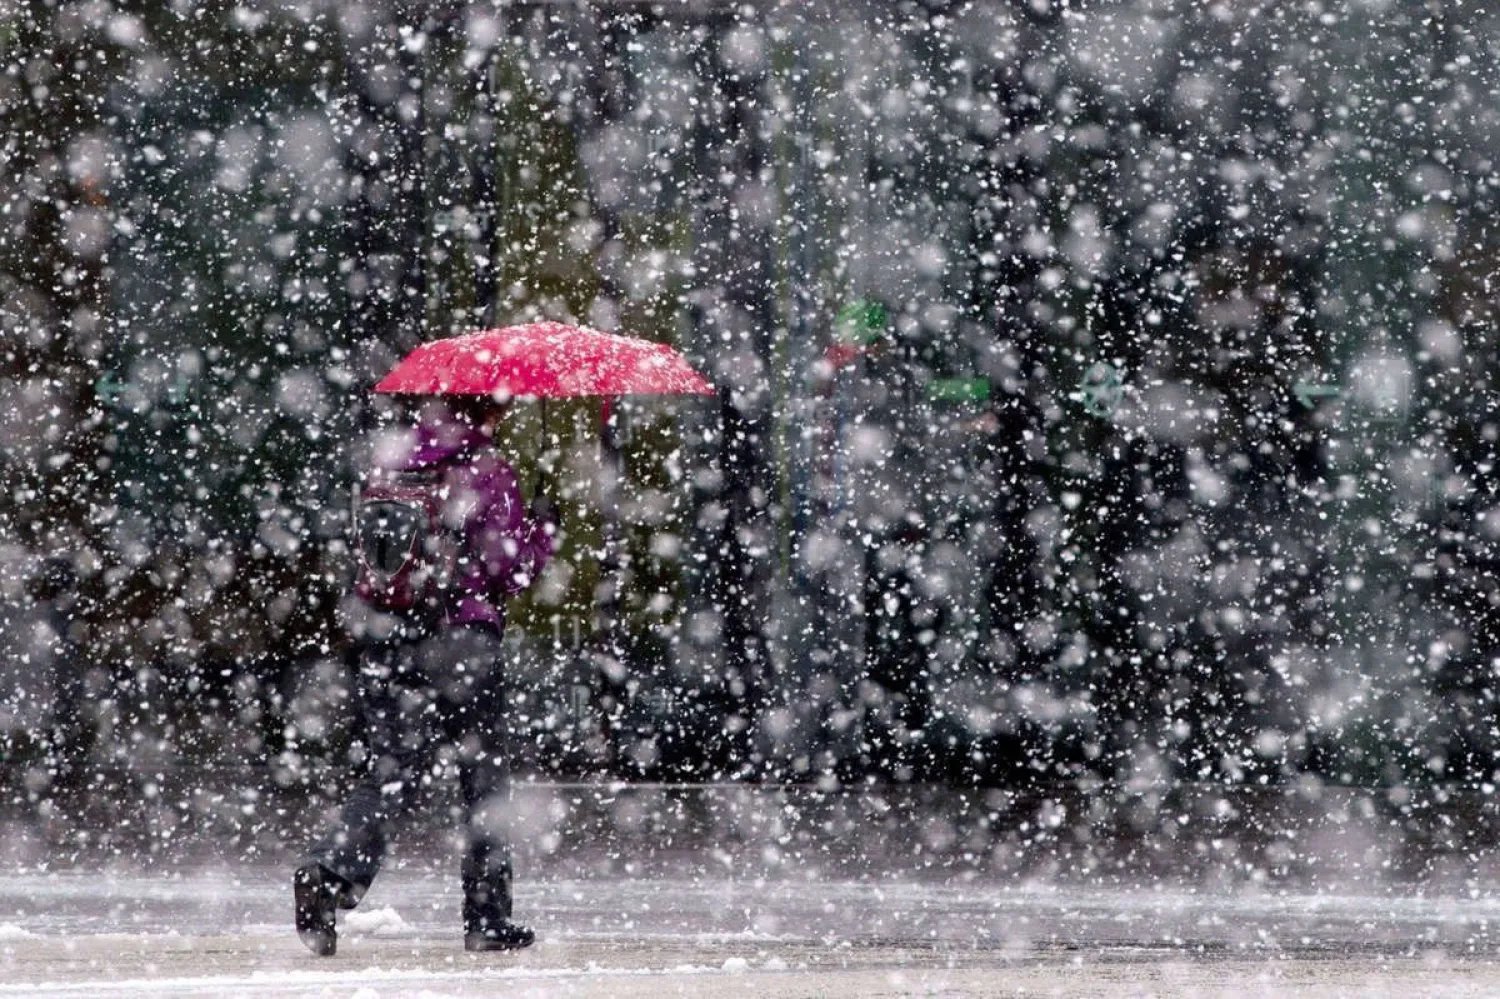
(197, 933)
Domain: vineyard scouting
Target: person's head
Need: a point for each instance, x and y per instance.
(481, 412)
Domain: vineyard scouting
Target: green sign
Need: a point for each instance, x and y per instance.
(1102, 389)
(861, 322)
(958, 390)
(1309, 393)
(108, 388)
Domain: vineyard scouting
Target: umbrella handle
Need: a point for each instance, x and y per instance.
(541, 453)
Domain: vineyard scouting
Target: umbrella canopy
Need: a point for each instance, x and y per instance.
(544, 360)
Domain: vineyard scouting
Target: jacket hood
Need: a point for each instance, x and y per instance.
(429, 443)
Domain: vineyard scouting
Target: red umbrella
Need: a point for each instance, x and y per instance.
(544, 360)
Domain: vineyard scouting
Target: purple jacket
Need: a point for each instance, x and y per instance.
(504, 548)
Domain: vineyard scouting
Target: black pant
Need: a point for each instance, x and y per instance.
(416, 694)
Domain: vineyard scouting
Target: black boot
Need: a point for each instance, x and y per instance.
(487, 906)
(506, 935)
(317, 891)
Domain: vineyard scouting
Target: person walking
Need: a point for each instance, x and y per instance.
(442, 540)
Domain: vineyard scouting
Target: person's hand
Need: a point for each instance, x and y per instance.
(543, 510)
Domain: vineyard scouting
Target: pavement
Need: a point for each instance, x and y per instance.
(652, 892)
(227, 933)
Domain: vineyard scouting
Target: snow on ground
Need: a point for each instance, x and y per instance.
(227, 934)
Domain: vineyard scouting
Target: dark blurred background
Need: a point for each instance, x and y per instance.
(1105, 387)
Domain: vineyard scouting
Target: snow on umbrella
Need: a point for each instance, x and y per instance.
(544, 360)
